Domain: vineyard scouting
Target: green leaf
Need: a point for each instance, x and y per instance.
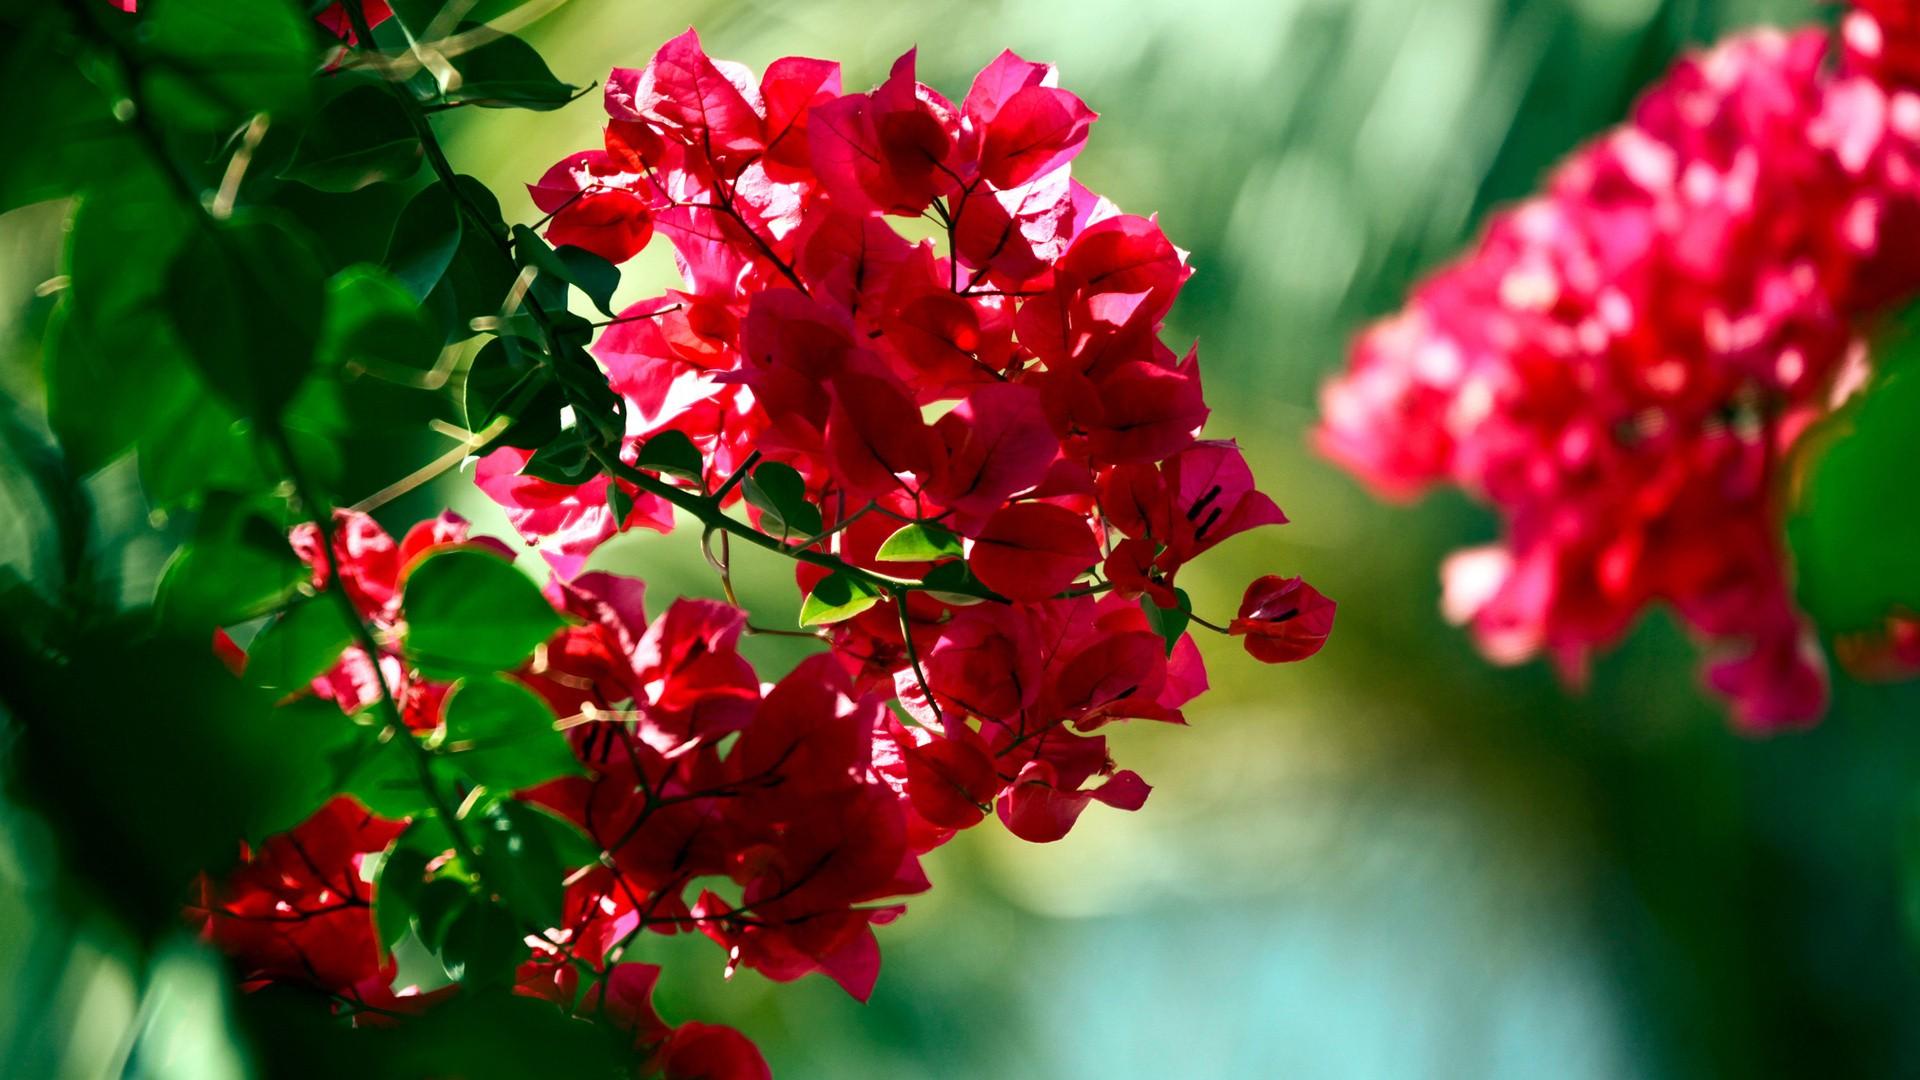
(110, 381)
(1856, 529)
(507, 73)
(211, 63)
(506, 379)
(373, 321)
(920, 542)
(780, 494)
(51, 107)
(381, 772)
(574, 848)
(1169, 623)
(425, 239)
(438, 903)
(471, 612)
(953, 583)
(396, 893)
(673, 453)
(238, 566)
(360, 137)
(594, 402)
(595, 277)
(200, 446)
(619, 503)
(838, 597)
(114, 370)
(246, 298)
(402, 890)
(564, 460)
(519, 863)
(501, 736)
(483, 945)
(298, 645)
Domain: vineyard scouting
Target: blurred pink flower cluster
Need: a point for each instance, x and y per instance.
(1624, 362)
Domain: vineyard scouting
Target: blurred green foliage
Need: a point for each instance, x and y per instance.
(1394, 861)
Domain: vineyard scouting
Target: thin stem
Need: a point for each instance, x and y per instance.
(1191, 617)
(913, 655)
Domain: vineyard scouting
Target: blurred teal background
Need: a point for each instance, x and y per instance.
(1392, 861)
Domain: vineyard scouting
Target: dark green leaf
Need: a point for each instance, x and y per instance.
(673, 453)
(564, 460)
(298, 644)
(396, 893)
(360, 137)
(838, 597)
(483, 945)
(780, 494)
(619, 503)
(595, 277)
(920, 542)
(953, 583)
(507, 73)
(438, 903)
(149, 793)
(425, 239)
(501, 736)
(1169, 623)
(472, 612)
(506, 379)
(246, 297)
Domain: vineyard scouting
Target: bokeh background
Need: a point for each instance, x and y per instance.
(1392, 861)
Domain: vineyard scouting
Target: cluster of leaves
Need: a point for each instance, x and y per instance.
(276, 290)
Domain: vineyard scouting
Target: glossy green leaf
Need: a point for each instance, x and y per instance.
(246, 297)
(501, 735)
(471, 612)
(672, 453)
(780, 494)
(838, 597)
(920, 542)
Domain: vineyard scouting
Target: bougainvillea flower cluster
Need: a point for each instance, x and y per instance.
(982, 457)
(1625, 361)
(1002, 381)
